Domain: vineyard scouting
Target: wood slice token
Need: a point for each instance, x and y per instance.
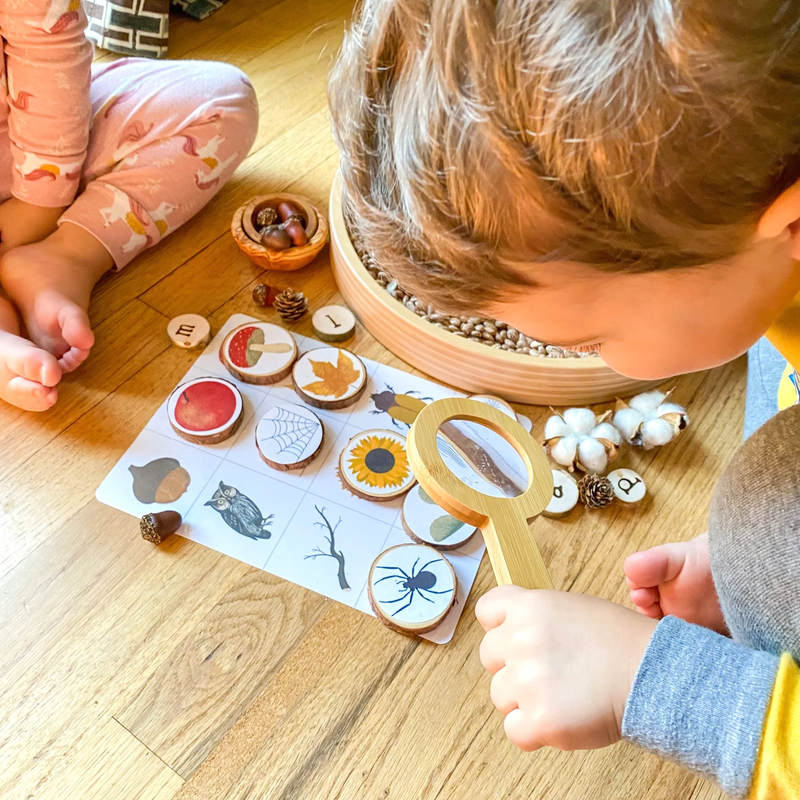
(411, 588)
(426, 523)
(495, 402)
(205, 410)
(629, 486)
(259, 352)
(329, 378)
(374, 465)
(334, 323)
(565, 495)
(289, 436)
(526, 422)
(189, 331)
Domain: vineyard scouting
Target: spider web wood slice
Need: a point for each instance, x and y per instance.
(289, 436)
(411, 588)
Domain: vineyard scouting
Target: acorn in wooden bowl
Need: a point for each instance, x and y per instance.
(280, 231)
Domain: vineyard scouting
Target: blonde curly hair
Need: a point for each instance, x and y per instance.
(479, 137)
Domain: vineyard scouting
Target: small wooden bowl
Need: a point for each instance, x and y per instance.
(288, 260)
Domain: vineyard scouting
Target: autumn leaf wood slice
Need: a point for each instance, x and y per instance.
(329, 378)
(259, 353)
(374, 466)
(205, 410)
(426, 523)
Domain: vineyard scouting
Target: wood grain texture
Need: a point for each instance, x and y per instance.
(127, 668)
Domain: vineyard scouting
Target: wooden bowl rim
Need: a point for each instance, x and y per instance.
(341, 239)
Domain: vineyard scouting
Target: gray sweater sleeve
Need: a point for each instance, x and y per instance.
(700, 699)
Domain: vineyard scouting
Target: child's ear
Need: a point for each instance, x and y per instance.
(782, 218)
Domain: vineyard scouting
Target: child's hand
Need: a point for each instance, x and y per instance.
(563, 665)
(22, 223)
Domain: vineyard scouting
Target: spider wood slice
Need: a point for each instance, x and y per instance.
(289, 436)
(411, 588)
(329, 377)
(205, 410)
(374, 466)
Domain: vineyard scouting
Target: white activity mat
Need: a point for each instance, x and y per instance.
(301, 525)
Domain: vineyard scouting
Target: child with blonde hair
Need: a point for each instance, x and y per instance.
(621, 176)
(97, 164)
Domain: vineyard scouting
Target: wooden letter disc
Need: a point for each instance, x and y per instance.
(374, 465)
(565, 495)
(411, 588)
(426, 523)
(329, 378)
(495, 402)
(258, 352)
(629, 487)
(189, 331)
(205, 410)
(334, 323)
(289, 436)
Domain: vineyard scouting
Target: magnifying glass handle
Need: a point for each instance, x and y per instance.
(514, 555)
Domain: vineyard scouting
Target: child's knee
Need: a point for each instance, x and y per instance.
(237, 103)
(754, 536)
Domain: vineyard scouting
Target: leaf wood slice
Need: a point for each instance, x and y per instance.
(411, 588)
(329, 378)
(258, 353)
(565, 495)
(426, 523)
(334, 323)
(374, 466)
(289, 436)
(205, 410)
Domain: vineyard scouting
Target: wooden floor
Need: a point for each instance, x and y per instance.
(130, 672)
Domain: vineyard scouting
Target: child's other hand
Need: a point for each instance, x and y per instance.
(22, 223)
(563, 665)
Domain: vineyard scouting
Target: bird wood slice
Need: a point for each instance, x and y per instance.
(258, 353)
(411, 588)
(426, 523)
(374, 465)
(289, 436)
(329, 378)
(205, 410)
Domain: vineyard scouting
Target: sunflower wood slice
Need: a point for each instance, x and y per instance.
(374, 465)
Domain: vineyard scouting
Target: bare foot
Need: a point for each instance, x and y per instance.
(28, 375)
(51, 282)
(675, 579)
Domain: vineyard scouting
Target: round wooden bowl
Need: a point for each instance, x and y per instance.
(283, 260)
(464, 364)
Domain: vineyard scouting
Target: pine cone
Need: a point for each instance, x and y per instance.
(264, 294)
(291, 305)
(595, 491)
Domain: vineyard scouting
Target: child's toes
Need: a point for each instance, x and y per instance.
(644, 598)
(34, 364)
(75, 327)
(28, 395)
(72, 359)
(654, 611)
(655, 566)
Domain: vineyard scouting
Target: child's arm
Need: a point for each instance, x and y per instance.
(48, 74)
(577, 672)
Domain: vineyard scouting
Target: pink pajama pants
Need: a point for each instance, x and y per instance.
(165, 137)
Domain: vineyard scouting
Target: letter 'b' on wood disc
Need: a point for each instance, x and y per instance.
(259, 353)
(289, 436)
(205, 410)
(411, 588)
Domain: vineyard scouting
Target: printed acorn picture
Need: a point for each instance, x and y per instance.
(161, 481)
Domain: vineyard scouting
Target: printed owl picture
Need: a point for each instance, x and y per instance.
(240, 513)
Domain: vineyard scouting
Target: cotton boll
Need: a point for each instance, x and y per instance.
(605, 430)
(592, 455)
(647, 402)
(656, 433)
(563, 451)
(555, 426)
(580, 420)
(628, 420)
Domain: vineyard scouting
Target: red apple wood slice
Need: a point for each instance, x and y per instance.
(205, 410)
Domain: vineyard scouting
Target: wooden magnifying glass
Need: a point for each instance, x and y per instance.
(504, 520)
